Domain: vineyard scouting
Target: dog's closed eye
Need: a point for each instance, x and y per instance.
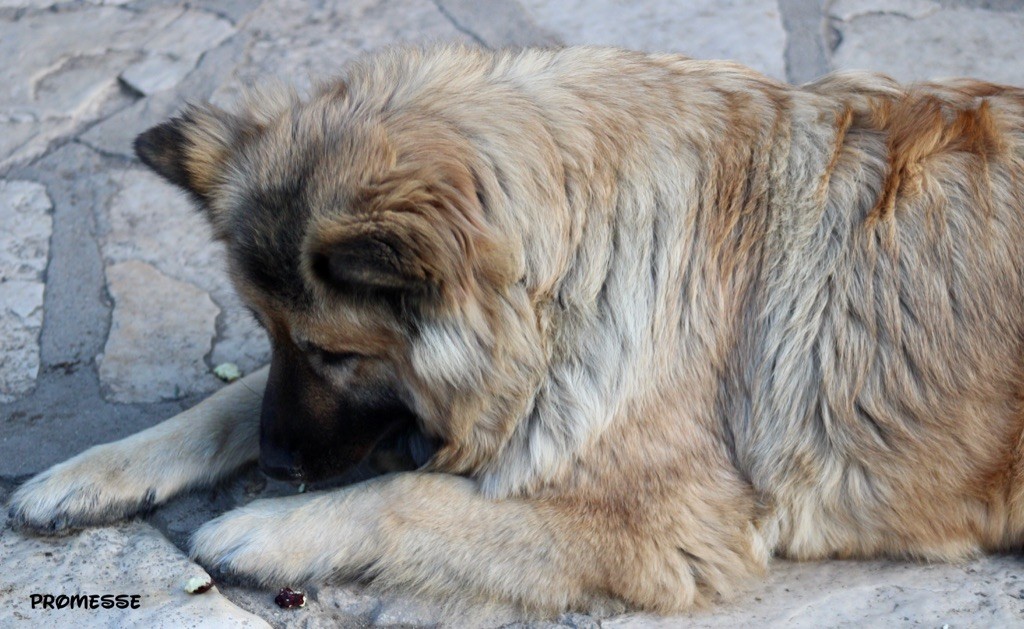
(326, 357)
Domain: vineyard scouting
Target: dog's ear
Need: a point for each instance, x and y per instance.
(192, 150)
(421, 232)
(392, 252)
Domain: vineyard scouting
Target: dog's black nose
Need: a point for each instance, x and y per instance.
(281, 465)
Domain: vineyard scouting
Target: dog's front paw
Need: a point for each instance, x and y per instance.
(273, 541)
(87, 490)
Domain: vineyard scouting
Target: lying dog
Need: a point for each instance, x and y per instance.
(663, 318)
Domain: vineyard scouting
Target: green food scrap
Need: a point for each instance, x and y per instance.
(228, 372)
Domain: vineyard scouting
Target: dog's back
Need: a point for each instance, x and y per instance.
(882, 371)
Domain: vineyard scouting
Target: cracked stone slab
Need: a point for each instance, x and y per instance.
(916, 40)
(159, 337)
(45, 4)
(497, 24)
(913, 9)
(987, 592)
(172, 54)
(68, 62)
(127, 559)
(148, 220)
(64, 413)
(115, 134)
(297, 41)
(155, 73)
(25, 228)
(748, 31)
(287, 41)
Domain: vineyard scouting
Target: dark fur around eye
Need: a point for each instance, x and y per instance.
(326, 356)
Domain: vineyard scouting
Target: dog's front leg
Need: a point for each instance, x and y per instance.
(115, 480)
(432, 532)
(437, 534)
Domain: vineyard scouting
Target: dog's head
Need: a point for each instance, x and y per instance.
(360, 243)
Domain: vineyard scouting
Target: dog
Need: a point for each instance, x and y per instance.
(661, 319)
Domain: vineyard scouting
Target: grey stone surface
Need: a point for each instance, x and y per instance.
(748, 31)
(296, 41)
(114, 134)
(497, 24)
(64, 413)
(174, 51)
(77, 311)
(25, 226)
(82, 78)
(806, 41)
(162, 330)
(987, 592)
(578, 621)
(407, 612)
(128, 559)
(356, 606)
(149, 220)
(349, 602)
(63, 66)
(847, 10)
(919, 40)
(21, 318)
(46, 4)
(155, 73)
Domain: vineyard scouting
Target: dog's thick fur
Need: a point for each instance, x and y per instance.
(663, 317)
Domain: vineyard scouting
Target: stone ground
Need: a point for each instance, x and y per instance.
(114, 306)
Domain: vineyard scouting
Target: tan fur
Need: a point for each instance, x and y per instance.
(670, 317)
